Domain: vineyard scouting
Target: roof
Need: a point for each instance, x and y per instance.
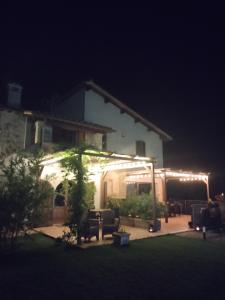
(123, 107)
(70, 124)
(120, 158)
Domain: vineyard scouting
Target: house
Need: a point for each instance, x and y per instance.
(88, 114)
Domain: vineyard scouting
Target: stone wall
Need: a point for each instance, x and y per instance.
(12, 130)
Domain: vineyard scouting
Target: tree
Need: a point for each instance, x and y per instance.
(22, 193)
(78, 201)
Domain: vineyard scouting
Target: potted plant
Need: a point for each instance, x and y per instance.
(121, 238)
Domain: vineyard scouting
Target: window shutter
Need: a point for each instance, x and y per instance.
(140, 148)
(46, 134)
(38, 131)
(104, 142)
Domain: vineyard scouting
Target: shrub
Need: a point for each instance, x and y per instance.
(141, 206)
(90, 190)
(113, 203)
(21, 195)
(81, 194)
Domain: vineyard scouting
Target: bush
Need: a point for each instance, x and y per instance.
(141, 206)
(43, 212)
(113, 203)
(81, 194)
(90, 190)
(21, 195)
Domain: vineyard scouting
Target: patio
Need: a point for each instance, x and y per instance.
(175, 225)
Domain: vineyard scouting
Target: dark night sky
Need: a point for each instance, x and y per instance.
(167, 63)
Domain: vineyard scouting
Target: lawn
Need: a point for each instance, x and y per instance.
(168, 267)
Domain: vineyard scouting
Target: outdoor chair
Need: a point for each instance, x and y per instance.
(110, 224)
(211, 219)
(174, 208)
(89, 227)
(177, 208)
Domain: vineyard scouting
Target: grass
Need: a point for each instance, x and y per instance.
(168, 267)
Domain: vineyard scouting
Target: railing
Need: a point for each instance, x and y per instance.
(186, 205)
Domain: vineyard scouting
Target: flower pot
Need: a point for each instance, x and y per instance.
(121, 238)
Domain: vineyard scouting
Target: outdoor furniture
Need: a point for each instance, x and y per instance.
(97, 213)
(175, 208)
(208, 217)
(110, 224)
(188, 204)
(211, 217)
(196, 216)
(89, 227)
(121, 238)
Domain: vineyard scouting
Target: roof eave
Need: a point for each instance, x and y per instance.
(165, 137)
(87, 126)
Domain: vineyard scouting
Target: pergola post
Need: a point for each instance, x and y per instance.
(164, 191)
(165, 197)
(207, 187)
(153, 193)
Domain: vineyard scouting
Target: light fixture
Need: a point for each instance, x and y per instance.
(154, 226)
(151, 228)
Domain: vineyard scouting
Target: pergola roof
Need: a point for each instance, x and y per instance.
(108, 155)
(70, 125)
(181, 174)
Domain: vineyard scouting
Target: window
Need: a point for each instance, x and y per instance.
(104, 142)
(60, 192)
(46, 134)
(60, 196)
(144, 188)
(131, 189)
(63, 136)
(140, 148)
(138, 188)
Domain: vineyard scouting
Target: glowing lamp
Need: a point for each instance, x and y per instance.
(154, 226)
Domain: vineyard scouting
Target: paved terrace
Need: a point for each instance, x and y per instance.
(175, 225)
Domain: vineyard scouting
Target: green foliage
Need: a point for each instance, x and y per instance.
(90, 190)
(22, 194)
(68, 238)
(136, 206)
(114, 202)
(81, 194)
(141, 206)
(44, 210)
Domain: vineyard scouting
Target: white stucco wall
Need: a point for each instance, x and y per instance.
(116, 186)
(72, 108)
(122, 141)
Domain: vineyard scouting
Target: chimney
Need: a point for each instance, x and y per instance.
(14, 95)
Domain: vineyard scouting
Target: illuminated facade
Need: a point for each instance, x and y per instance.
(88, 114)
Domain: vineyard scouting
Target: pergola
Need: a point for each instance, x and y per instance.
(143, 171)
(168, 174)
(115, 162)
(183, 176)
